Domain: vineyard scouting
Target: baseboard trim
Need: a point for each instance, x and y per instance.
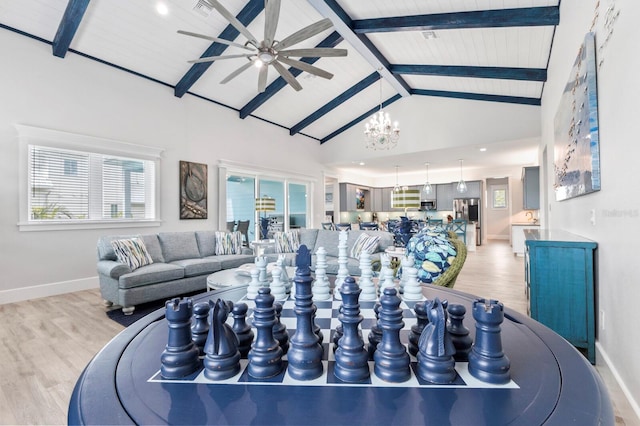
(44, 290)
(614, 372)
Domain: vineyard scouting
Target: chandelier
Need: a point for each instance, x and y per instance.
(378, 133)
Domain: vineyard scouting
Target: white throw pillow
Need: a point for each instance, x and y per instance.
(365, 242)
(132, 252)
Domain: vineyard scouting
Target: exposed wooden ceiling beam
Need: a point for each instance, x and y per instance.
(519, 17)
(344, 96)
(505, 73)
(68, 26)
(478, 97)
(246, 16)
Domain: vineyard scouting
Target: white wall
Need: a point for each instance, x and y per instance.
(617, 205)
(497, 222)
(78, 95)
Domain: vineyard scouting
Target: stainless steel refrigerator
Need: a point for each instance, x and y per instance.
(469, 209)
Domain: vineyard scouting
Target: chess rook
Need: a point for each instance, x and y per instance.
(305, 351)
(487, 362)
(265, 356)
(391, 357)
(180, 356)
(351, 356)
(222, 358)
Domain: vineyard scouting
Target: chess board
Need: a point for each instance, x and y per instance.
(327, 319)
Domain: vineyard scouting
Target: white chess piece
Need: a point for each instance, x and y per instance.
(261, 264)
(320, 287)
(284, 276)
(278, 290)
(407, 261)
(343, 270)
(412, 287)
(254, 285)
(366, 283)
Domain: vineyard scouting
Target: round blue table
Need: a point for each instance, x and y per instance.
(556, 385)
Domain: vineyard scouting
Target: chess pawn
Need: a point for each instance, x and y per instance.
(351, 356)
(487, 362)
(338, 332)
(200, 325)
(254, 285)
(280, 330)
(180, 356)
(436, 350)
(261, 264)
(375, 334)
(459, 333)
(420, 310)
(222, 358)
(321, 285)
(391, 358)
(265, 356)
(278, 290)
(412, 287)
(366, 284)
(386, 273)
(241, 328)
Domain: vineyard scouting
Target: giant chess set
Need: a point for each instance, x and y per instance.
(384, 335)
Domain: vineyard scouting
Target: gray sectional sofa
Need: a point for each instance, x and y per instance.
(183, 260)
(181, 263)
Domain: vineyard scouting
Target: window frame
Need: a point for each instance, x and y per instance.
(29, 135)
(500, 187)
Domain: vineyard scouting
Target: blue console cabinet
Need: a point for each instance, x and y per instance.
(560, 278)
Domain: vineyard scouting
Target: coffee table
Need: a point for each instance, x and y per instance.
(238, 276)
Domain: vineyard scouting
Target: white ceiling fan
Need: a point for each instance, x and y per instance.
(270, 51)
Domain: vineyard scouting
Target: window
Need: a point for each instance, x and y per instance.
(499, 197)
(75, 180)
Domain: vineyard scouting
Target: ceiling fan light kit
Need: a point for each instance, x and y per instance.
(270, 51)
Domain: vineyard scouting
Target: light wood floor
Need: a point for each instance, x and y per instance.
(46, 343)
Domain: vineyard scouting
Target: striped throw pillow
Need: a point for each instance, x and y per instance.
(228, 242)
(132, 252)
(287, 242)
(365, 242)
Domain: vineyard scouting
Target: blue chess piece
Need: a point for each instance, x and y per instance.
(222, 358)
(487, 362)
(265, 356)
(391, 358)
(436, 350)
(180, 357)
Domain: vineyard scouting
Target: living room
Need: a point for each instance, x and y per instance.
(81, 96)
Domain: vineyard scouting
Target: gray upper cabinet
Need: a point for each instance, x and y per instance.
(444, 196)
(474, 190)
(531, 188)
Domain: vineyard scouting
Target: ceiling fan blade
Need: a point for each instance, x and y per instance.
(262, 78)
(217, 40)
(237, 72)
(216, 58)
(306, 67)
(288, 77)
(272, 14)
(316, 52)
(233, 21)
(305, 33)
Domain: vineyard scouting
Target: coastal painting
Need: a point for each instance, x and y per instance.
(576, 138)
(193, 190)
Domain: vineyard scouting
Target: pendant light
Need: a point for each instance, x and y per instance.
(462, 186)
(427, 186)
(397, 187)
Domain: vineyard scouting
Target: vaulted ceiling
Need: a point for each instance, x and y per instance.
(487, 50)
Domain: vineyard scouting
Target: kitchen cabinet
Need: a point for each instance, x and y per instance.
(517, 236)
(348, 199)
(376, 199)
(474, 190)
(531, 188)
(445, 195)
(386, 199)
(560, 279)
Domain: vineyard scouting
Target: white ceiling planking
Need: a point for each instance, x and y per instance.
(37, 17)
(490, 86)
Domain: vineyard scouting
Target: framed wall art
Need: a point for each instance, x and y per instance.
(576, 137)
(193, 190)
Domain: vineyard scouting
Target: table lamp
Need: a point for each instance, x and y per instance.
(265, 204)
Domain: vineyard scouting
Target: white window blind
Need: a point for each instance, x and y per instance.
(69, 185)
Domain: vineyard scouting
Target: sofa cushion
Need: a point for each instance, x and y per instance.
(228, 242)
(229, 261)
(365, 242)
(308, 237)
(206, 242)
(151, 274)
(132, 252)
(287, 242)
(327, 239)
(195, 267)
(153, 247)
(178, 245)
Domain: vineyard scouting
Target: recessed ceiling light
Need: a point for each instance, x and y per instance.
(483, 149)
(361, 163)
(429, 35)
(162, 8)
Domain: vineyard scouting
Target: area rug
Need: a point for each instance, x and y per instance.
(141, 311)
